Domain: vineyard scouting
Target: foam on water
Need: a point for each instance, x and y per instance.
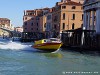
(14, 46)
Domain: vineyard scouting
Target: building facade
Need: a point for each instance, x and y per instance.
(30, 23)
(48, 30)
(43, 20)
(67, 15)
(29, 20)
(79, 1)
(92, 15)
(18, 29)
(34, 21)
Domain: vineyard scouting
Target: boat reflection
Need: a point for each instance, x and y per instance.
(54, 55)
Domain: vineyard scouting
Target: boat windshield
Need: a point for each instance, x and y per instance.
(51, 40)
(54, 39)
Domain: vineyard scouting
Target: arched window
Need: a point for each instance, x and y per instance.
(63, 16)
(63, 26)
(25, 23)
(31, 24)
(73, 7)
(82, 16)
(73, 26)
(73, 17)
(81, 25)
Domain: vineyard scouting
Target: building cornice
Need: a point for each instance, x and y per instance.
(71, 11)
(91, 5)
(87, 4)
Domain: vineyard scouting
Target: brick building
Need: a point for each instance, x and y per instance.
(29, 20)
(34, 21)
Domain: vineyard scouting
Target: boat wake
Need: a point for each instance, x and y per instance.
(14, 46)
(55, 51)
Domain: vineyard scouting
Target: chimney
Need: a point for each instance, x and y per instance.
(65, 1)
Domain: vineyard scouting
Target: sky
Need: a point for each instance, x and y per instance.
(14, 9)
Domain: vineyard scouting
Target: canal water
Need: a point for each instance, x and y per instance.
(20, 59)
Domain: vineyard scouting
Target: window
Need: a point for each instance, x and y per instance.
(63, 7)
(45, 25)
(32, 18)
(48, 17)
(31, 24)
(55, 27)
(48, 27)
(94, 18)
(73, 7)
(81, 25)
(37, 24)
(55, 18)
(25, 23)
(82, 8)
(73, 26)
(31, 28)
(82, 16)
(25, 28)
(63, 16)
(25, 18)
(73, 17)
(30, 13)
(37, 18)
(63, 26)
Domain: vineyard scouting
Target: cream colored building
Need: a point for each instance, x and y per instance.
(67, 15)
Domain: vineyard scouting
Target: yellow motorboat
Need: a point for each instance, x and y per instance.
(51, 44)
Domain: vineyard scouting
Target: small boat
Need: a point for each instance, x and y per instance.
(51, 44)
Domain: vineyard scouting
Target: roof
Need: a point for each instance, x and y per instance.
(4, 19)
(37, 9)
(29, 10)
(18, 27)
(46, 8)
(72, 3)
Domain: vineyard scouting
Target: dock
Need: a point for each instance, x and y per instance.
(81, 39)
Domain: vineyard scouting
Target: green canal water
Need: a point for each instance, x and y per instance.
(20, 59)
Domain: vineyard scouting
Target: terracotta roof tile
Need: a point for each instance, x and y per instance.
(73, 3)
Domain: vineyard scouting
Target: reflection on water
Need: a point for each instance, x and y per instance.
(91, 53)
(21, 59)
(53, 55)
(84, 52)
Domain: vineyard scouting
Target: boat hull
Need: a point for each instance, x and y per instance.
(48, 46)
